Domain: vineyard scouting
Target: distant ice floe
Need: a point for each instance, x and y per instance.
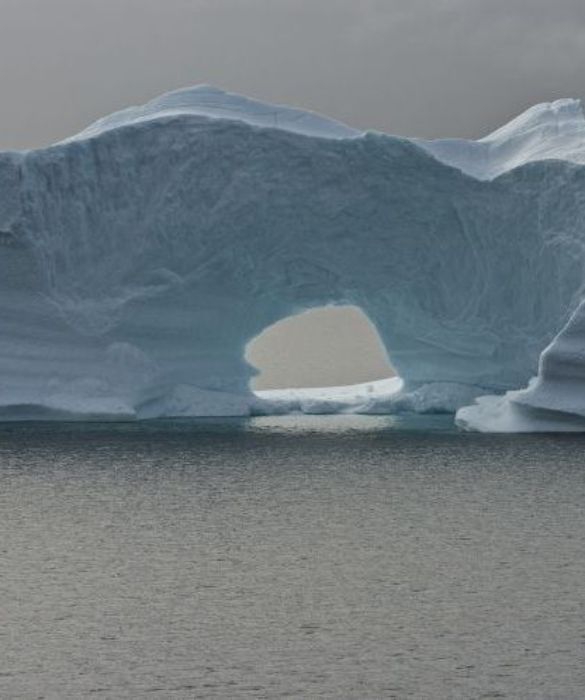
(139, 257)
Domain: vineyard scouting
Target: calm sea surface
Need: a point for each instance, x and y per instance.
(340, 557)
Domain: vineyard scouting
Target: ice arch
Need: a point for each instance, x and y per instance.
(326, 346)
(146, 252)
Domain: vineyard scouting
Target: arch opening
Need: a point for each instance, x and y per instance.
(321, 347)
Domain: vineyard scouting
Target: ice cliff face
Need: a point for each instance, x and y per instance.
(138, 258)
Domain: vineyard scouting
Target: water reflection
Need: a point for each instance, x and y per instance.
(343, 424)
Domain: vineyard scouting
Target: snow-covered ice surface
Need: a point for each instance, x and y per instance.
(138, 258)
(546, 131)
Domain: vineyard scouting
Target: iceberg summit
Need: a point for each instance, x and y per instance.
(140, 257)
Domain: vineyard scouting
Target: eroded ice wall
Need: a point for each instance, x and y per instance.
(156, 244)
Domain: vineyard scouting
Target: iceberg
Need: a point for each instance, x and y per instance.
(139, 257)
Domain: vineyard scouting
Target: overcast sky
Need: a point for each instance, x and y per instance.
(410, 67)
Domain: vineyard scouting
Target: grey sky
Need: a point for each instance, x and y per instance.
(411, 67)
(321, 347)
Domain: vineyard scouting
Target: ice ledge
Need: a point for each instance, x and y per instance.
(553, 401)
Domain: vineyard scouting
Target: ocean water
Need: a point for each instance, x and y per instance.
(298, 557)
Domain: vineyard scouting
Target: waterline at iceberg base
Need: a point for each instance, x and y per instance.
(140, 257)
